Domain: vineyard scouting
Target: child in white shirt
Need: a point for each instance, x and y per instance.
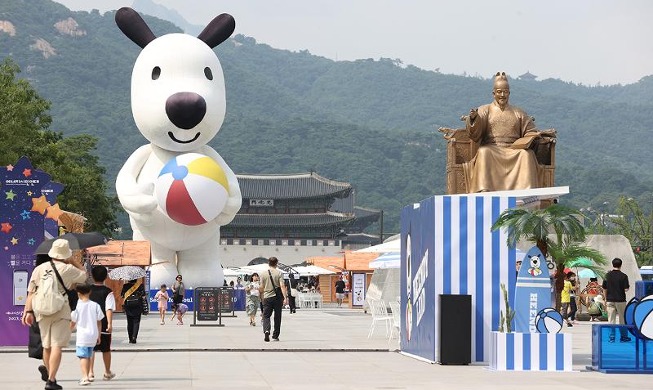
(87, 317)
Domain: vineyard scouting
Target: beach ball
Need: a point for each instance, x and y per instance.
(548, 321)
(643, 317)
(192, 189)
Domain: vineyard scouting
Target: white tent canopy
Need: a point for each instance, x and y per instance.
(258, 268)
(386, 247)
(231, 272)
(312, 270)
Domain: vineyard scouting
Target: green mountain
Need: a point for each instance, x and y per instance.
(370, 122)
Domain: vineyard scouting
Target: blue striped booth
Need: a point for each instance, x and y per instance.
(530, 351)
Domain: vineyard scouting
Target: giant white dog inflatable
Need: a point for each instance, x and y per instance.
(178, 103)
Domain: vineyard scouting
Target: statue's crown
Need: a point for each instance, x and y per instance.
(500, 77)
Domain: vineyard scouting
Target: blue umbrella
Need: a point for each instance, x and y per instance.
(386, 260)
(586, 273)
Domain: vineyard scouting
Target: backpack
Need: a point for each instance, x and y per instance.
(48, 298)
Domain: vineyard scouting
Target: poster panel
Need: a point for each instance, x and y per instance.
(23, 210)
(358, 289)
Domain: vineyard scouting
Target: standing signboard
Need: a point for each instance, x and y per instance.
(24, 207)
(358, 290)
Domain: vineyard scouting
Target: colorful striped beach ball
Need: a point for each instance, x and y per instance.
(192, 189)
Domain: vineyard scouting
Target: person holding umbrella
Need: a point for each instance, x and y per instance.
(132, 294)
(54, 328)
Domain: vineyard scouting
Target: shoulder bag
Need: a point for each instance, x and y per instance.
(277, 290)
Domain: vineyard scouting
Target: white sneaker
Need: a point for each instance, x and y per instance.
(84, 382)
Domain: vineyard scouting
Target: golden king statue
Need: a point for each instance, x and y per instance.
(504, 160)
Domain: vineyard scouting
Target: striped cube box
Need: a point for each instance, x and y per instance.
(530, 351)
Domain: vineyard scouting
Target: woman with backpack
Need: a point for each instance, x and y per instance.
(132, 294)
(48, 281)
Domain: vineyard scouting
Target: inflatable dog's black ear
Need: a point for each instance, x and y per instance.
(134, 27)
(220, 28)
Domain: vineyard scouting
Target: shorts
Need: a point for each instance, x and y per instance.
(340, 295)
(55, 332)
(105, 343)
(84, 352)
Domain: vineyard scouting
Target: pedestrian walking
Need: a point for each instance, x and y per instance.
(132, 294)
(103, 296)
(178, 292)
(274, 297)
(615, 285)
(87, 318)
(63, 271)
(161, 297)
(252, 298)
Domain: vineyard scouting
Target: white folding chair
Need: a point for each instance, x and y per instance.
(317, 300)
(379, 314)
(396, 319)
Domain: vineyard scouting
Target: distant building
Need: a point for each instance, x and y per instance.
(293, 217)
(527, 76)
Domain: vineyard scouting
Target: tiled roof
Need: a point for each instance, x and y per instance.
(364, 212)
(351, 261)
(326, 262)
(118, 252)
(303, 185)
(359, 261)
(303, 220)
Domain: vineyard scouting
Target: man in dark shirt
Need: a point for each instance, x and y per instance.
(340, 291)
(615, 285)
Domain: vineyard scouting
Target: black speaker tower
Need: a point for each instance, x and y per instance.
(455, 329)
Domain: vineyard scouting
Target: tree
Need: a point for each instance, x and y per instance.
(556, 230)
(633, 223)
(24, 131)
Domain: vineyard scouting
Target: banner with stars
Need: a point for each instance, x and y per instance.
(28, 212)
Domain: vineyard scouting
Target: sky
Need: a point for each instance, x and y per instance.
(586, 42)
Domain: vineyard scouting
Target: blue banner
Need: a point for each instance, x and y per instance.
(417, 283)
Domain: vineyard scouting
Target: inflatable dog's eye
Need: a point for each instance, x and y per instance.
(156, 72)
(208, 73)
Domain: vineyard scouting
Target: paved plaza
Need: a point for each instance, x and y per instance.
(319, 349)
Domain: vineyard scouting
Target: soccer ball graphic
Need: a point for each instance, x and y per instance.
(548, 321)
(192, 189)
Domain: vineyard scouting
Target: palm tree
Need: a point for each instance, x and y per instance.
(556, 230)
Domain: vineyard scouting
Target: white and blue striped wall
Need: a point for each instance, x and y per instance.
(471, 259)
(531, 351)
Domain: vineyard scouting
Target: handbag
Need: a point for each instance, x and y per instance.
(145, 305)
(35, 347)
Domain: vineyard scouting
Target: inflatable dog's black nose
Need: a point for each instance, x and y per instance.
(185, 109)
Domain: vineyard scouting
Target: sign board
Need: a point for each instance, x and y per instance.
(207, 303)
(261, 202)
(358, 289)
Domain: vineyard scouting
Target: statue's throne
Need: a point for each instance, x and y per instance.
(461, 149)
